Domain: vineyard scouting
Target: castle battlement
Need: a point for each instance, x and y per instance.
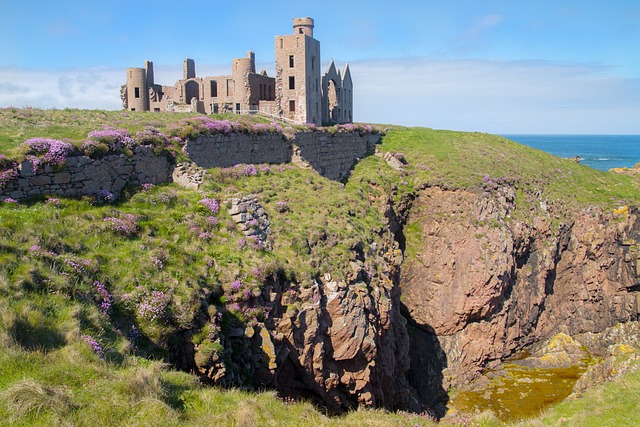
(297, 93)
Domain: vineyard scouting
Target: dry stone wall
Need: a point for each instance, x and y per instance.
(334, 155)
(220, 151)
(83, 175)
(331, 155)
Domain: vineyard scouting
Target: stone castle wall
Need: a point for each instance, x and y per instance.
(86, 176)
(334, 155)
(331, 155)
(220, 151)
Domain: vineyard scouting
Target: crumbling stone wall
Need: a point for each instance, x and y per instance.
(219, 151)
(331, 155)
(334, 155)
(83, 175)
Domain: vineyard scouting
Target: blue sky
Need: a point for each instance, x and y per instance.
(513, 66)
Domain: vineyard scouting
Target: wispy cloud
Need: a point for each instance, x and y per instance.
(481, 25)
(93, 88)
(474, 95)
(496, 96)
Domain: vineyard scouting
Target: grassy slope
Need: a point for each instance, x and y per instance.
(49, 373)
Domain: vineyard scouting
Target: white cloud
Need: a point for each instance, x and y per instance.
(495, 96)
(474, 95)
(91, 88)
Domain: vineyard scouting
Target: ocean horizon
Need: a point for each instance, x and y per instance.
(601, 152)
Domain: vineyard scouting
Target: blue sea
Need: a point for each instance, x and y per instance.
(598, 151)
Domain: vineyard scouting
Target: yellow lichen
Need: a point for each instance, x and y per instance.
(622, 211)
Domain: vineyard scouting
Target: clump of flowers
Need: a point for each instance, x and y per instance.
(126, 226)
(192, 128)
(52, 201)
(168, 197)
(95, 346)
(37, 251)
(153, 137)
(240, 299)
(8, 171)
(205, 235)
(211, 204)
(115, 139)
(152, 306)
(47, 151)
(94, 149)
(159, 258)
(105, 298)
(147, 186)
(74, 266)
(491, 185)
(104, 197)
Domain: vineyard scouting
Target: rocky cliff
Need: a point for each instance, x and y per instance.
(341, 343)
(483, 284)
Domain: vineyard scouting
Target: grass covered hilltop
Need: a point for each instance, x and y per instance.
(100, 297)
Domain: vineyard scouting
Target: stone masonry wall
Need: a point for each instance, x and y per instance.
(221, 151)
(86, 176)
(331, 155)
(334, 155)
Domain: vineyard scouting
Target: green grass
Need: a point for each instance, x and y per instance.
(50, 375)
(460, 160)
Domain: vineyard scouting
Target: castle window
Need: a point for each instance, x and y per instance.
(290, 61)
(292, 106)
(214, 88)
(300, 30)
(156, 109)
(313, 61)
(281, 43)
(136, 92)
(292, 82)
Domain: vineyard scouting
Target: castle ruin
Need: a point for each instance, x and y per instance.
(297, 93)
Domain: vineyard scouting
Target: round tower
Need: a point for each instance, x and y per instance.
(138, 95)
(303, 26)
(244, 66)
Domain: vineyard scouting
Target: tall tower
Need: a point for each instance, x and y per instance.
(188, 69)
(298, 85)
(137, 91)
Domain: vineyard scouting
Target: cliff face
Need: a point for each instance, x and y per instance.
(397, 333)
(483, 286)
(340, 343)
